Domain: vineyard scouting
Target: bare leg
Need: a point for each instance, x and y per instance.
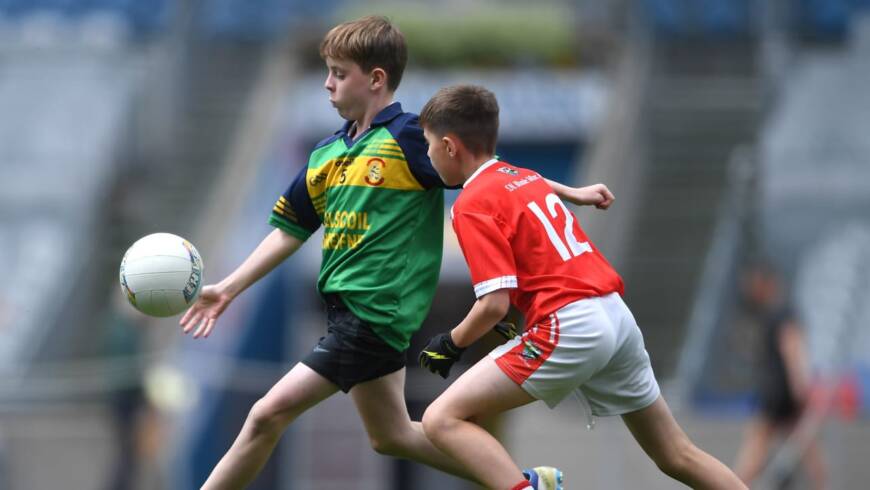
(381, 405)
(655, 429)
(299, 390)
(481, 391)
(814, 462)
(752, 455)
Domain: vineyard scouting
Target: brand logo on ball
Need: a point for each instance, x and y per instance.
(376, 172)
(195, 279)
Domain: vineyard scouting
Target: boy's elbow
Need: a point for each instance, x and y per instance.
(497, 303)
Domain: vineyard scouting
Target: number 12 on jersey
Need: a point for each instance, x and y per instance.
(573, 247)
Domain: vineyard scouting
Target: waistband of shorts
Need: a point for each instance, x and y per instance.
(334, 301)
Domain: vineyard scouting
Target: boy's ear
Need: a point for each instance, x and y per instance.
(378, 78)
(450, 144)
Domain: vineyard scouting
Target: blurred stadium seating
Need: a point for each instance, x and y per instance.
(726, 128)
(64, 113)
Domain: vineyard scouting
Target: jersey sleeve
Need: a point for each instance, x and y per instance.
(293, 212)
(487, 252)
(413, 144)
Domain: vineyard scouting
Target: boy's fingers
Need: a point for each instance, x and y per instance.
(185, 316)
(201, 328)
(191, 322)
(606, 199)
(209, 327)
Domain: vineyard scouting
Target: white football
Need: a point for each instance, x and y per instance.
(161, 274)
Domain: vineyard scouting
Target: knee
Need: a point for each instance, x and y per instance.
(437, 422)
(265, 418)
(388, 444)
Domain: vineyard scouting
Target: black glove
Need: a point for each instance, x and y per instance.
(507, 330)
(439, 355)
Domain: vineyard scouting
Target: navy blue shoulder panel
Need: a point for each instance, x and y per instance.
(294, 211)
(326, 141)
(408, 133)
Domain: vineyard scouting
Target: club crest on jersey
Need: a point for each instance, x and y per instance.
(508, 170)
(530, 350)
(376, 172)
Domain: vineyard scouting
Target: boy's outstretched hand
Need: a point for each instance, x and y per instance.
(597, 195)
(205, 311)
(440, 354)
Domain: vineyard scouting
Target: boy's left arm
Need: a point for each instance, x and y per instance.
(445, 349)
(597, 195)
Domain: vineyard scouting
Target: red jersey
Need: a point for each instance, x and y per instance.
(516, 233)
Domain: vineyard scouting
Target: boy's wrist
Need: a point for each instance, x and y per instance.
(226, 287)
(452, 346)
(582, 196)
(456, 337)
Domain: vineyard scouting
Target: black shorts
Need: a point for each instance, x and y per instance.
(778, 405)
(351, 352)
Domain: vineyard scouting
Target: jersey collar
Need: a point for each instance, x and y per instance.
(480, 170)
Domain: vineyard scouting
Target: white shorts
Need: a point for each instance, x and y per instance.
(593, 344)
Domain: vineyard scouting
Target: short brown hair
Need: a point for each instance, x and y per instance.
(371, 42)
(468, 111)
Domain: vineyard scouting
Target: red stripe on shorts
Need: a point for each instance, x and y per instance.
(534, 349)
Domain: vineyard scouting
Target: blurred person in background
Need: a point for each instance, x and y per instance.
(783, 382)
(134, 418)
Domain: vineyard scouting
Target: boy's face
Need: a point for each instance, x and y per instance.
(760, 289)
(349, 88)
(440, 154)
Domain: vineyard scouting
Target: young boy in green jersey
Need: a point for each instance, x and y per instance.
(374, 190)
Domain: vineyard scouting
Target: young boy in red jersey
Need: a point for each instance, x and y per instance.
(524, 247)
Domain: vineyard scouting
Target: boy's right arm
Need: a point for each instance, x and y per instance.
(215, 298)
(445, 349)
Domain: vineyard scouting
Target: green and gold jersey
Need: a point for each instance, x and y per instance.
(381, 204)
